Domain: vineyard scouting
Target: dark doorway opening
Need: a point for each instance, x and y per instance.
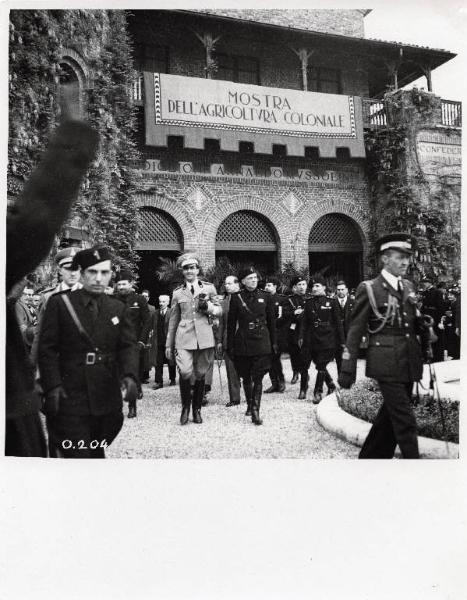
(151, 261)
(338, 265)
(265, 262)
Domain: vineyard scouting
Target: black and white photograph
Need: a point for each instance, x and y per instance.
(235, 234)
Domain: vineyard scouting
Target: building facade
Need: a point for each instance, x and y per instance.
(252, 128)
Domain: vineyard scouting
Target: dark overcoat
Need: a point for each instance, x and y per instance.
(345, 313)
(394, 353)
(91, 389)
(255, 316)
(282, 312)
(291, 321)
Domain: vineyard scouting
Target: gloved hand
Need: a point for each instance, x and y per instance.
(52, 401)
(203, 302)
(131, 389)
(346, 380)
(169, 354)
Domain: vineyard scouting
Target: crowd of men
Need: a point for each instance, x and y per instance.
(75, 351)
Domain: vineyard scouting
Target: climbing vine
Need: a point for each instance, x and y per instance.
(403, 200)
(105, 207)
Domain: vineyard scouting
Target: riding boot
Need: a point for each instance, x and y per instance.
(185, 393)
(329, 382)
(248, 394)
(198, 395)
(132, 409)
(318, 393)
(304, 377)
(294, 377)
(281, 384)
(256, 402)
(274, 384)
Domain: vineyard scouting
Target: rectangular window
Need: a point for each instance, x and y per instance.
(322, 79)
(241, 69)
(149, 57)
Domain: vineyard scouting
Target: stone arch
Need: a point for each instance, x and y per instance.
(158, 230)
(276, 216)
(176, 211)
(75, 62)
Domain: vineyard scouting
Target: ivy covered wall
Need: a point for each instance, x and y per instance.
(408, 194)
(92, 46)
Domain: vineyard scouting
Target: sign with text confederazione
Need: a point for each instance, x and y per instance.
(210, 103)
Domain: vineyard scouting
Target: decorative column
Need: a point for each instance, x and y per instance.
(209, 43)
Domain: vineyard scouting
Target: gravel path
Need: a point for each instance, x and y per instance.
(289, 430)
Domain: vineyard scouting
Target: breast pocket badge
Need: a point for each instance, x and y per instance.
(260, 299)
(115, 320)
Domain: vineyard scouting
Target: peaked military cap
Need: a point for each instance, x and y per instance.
(91, 256)
(247, 271)
(404, 242)
(187, 259)
(65, 256)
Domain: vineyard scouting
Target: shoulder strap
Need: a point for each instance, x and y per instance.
(244, 303)
(76, 320)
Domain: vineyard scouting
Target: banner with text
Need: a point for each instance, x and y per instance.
(209, 103)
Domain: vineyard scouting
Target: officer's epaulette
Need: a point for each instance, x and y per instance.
(179, 287)
(59, 292)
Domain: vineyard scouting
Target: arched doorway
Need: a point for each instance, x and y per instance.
(335, 248)
(159, 241)
(246, 237)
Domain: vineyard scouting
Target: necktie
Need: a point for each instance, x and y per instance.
(192, 290)
(400, 287)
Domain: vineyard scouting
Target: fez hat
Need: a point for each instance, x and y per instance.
(91, 256)
(125, 275)
(187, 259)
(247, 271)
(404, 242)
(296, 280)
(318, 279)
(65, 256)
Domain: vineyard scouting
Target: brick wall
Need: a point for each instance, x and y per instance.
(200, 203)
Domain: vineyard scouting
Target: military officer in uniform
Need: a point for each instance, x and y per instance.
(345, 304)
(386, 307)
(294, 313)
(141, 318)
(280, 301)
(87, 351)
(251, 338)
(190, 338)
(320, 332)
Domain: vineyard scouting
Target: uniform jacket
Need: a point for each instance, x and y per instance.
(91, 389)
(221, 334)
(139, 313)
(321, 326)
(345, 313)
(188, 327)
(291, 321)
(36, 216)
(256, 331)
(394, 353)
(26, 321)
(281, 311)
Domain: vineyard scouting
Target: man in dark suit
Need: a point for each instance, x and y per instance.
(435, 305)
(321, 333)
(293, 314)
(280, 306)
(160, 326)
(33, 221)
(232, 286)
(87, 351)
(145, 368)
(251, 337)
(345, 307)
(140, 316)
(387, 307)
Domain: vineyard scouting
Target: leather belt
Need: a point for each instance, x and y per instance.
(94, 358)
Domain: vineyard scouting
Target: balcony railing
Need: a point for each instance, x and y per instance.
(451, 113)
(374, 113)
